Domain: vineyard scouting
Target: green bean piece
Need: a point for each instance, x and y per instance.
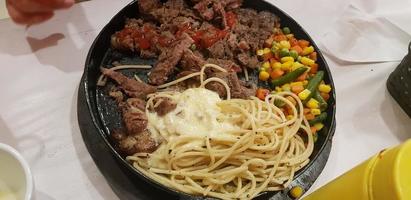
(313, 84)
(320, 118)
(323, 104)
(289, 77)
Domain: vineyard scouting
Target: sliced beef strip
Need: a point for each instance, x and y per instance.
(164, 106)
(228, 65)
(132, 144)
(247, 60)
(145, 6)
(131, 87)
(168, 60)
(238, 88)
(135, 121)
(211, 9)
(192, 61)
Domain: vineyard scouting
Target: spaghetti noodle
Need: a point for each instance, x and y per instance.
(245, 147)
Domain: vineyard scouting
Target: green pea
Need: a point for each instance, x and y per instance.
(294, 54)
(284, 52)
(286, 30)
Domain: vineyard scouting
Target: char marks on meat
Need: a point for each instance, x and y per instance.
(168, 60)
(132, 144)
(130, 86)
(162, 106)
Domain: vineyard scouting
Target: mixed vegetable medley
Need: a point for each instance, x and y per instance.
(291, 65)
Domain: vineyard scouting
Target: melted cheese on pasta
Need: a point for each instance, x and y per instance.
(196, 113)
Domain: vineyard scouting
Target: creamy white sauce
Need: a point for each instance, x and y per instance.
(6, 193)
(196, 114)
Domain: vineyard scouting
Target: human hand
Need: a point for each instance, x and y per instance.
(30, 12)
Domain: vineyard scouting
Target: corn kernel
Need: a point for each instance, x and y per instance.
(315, 111)
(287, 65)
(312, 103)
(308, 50)
(260, 52)
(278, 89)
(285, 44)
(276, 65)
(290, 117)
(266, 65)
(324, 88)
(264, 75)
(319, 126)
(266, 50)
(298, 83)
(305, 82)
(287, 59)
(286, 87)
(296, 192)
(289, 36)
(296, 65)
(304, 94)
(307, 61)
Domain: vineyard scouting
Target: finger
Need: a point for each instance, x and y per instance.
(56, 4)
(36, 6)
(27, 19)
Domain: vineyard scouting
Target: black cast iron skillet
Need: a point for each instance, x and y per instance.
(98, 114)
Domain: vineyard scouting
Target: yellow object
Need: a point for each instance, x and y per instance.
(304, 94)
(266, 50)
(260, 52)
(305, 82)
(296, 65)
(315, 111)
(264, 75)
(286, 87)
(324, 88)
(287, 66)
(298, 83)
(285, 44)
(307, 50)
(312, 103)
(296, 192)
(307, 61)
(319, 126)
(385, 176)
(289, 36)
(266, 65)
(290, 117)
(276, 65)
(287, 59)
(278, 89)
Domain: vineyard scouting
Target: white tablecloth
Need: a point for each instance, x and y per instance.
(41, 67)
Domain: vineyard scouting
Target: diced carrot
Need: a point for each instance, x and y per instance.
(297, 48)
(289, 110)
(280, 37)
(273, 60)
(293, 42)
(297, 88)
(313, 56)
(313, 129)
(309, 116)
(276, 73)
(303, 43)
(307, 111)
(268, 56)
(268, 42)
(302, 77)
(325, 96)
(314, 68)
(262, 93)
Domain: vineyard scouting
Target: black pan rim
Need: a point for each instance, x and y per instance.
(96, 119)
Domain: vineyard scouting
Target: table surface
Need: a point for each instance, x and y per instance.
(41, 67)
